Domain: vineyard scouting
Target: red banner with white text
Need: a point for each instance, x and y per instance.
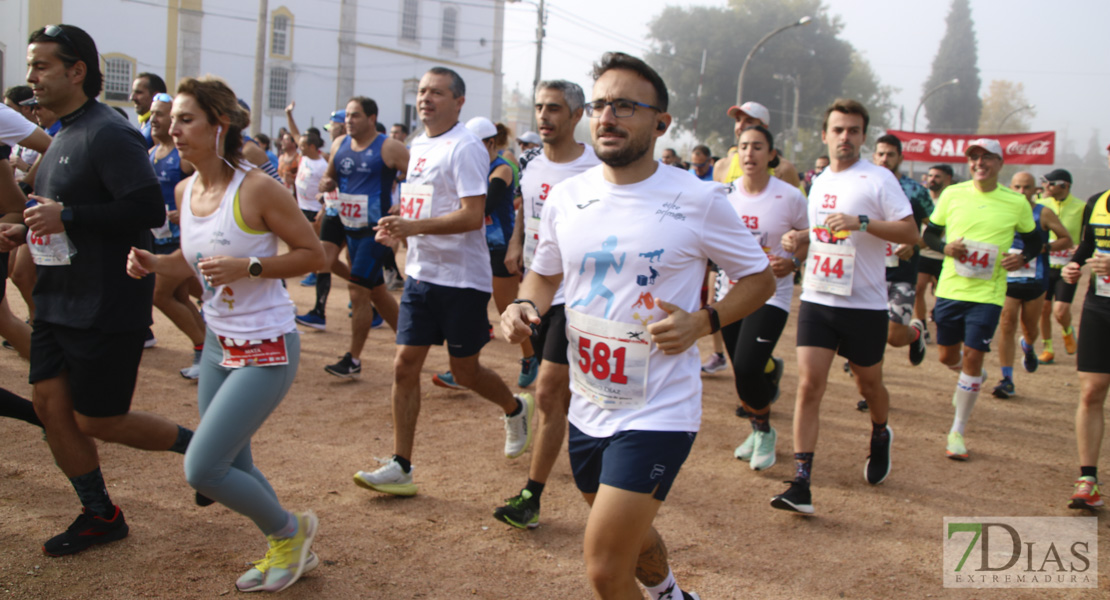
(1037, 148)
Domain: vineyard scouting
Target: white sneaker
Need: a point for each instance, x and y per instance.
(518, 429)
(714, 363)
(763, 455)
(390, 478)
(744, 451)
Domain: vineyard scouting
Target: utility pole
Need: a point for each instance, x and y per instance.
(794, 137)
(697, 102)
(259, 68)
(541, 18)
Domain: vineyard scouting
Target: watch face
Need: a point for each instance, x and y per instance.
(255, 269)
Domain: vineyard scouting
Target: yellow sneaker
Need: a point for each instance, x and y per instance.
(285, 561)
(956, 449)
(1069, 342)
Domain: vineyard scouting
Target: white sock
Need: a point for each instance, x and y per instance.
(668, 590)
(967, 392)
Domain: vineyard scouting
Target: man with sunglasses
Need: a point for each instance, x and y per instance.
(630, 239)
(980, 217)
(97, 198)
(1057, 196)
(701, 162)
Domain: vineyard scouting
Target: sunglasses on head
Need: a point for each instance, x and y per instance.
(56, 32)
(163, 97)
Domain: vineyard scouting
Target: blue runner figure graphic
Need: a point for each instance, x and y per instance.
(603, 259)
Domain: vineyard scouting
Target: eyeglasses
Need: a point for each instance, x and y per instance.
(163, 97)
(1055, 183)
(56, 32)
(621, 108)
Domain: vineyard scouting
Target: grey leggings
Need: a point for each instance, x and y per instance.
(233, 404)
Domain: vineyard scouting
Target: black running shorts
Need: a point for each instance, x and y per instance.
(101, 367)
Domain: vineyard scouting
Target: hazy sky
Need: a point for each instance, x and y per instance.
(1058, 51)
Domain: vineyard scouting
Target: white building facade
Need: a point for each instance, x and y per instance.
(318, 53)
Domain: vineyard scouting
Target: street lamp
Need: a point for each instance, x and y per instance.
(954, 81)
(794, 123)
(748, 58)
(1012, 113)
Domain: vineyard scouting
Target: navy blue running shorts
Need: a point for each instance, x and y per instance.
(972, 323)
(367, 259)
(433, 313)
(645, 462)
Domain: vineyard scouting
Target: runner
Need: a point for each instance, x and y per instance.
(1094, 331)
(701, 162)
(97, 198)
(143, 89)
(937, 179)
(855, 208)
(980, 218)
(500, 223)
(1025, 289)
(636, 404)
(1069, 209)
(728, 169)
(288, 160)
(230, 229)
(448, 283)
(362, 167)
(771, 209)
(171, 296)
(559, 105)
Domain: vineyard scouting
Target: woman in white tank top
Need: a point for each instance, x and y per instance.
(231, 220)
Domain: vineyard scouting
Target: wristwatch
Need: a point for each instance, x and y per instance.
(714, 319)
(863, 221)
(797, 264)
(254, 269)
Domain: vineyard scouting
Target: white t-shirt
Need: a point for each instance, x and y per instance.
(862, 189)
(307, 182)
(455, 163)
(538, 175)
(13, 127)
(621, 249)
(779, 208)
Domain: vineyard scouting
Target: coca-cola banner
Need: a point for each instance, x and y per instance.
(1019, 148)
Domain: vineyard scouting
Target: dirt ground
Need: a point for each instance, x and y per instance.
(725, 540)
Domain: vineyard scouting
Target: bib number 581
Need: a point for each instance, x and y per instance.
(596, 363)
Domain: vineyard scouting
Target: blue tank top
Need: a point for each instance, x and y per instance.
(499, 223)
(1042, 258)
(366, 173)
(168, 171)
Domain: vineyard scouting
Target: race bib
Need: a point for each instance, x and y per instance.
(610, 366)
(163, 232)
(352, 210)
(331, 203)
(891, 259)
(531, 240)
(978, 262)
(832, 268)
(1059, 258)
(1102, 285)
(1027, 271)
(253, 353)
(301, 182)
(416, 200)
(51, 250)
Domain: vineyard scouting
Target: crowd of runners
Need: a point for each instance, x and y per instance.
(607, 290)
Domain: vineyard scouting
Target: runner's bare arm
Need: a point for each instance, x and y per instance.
(1052, 223)
(514, 256)
(469, 217)
(289, 118)
(329, 182)
(720, 170)
(518, 318)
(395, 155)
(899, 232)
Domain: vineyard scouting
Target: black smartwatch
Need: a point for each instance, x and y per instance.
(5, 152)
(714, 319)
(254, 269)
(863, 221)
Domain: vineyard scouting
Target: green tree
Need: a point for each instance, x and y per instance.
(956, 108)
(824, 64)
(1004, 108)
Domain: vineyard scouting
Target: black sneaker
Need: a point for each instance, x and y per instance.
(776, 376)
(877, 466)
(796, 498)
(862, 406)
(917, 348)
(742, 412)
(201, 500)
(521, 511)
(88, 530)
(346, 367)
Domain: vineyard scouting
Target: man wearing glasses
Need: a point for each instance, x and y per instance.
(980, 217)
(1057, 196)
(701, 163)
(97, 198)
(630, 239)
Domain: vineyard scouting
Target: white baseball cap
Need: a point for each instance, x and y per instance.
(530, 137)
(987, 145)
(482, 127)
(752, 109)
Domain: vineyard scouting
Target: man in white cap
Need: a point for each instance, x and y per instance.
(980, 218)
(529, 140)
(728, 169)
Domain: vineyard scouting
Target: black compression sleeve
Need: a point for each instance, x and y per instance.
(933, 235)
(140, 209)
(495, 196)
(1031, 244)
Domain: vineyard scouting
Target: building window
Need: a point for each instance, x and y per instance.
(119, 71)
(281, 33)
(450, 25)
(410, 16)
(279, 88)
